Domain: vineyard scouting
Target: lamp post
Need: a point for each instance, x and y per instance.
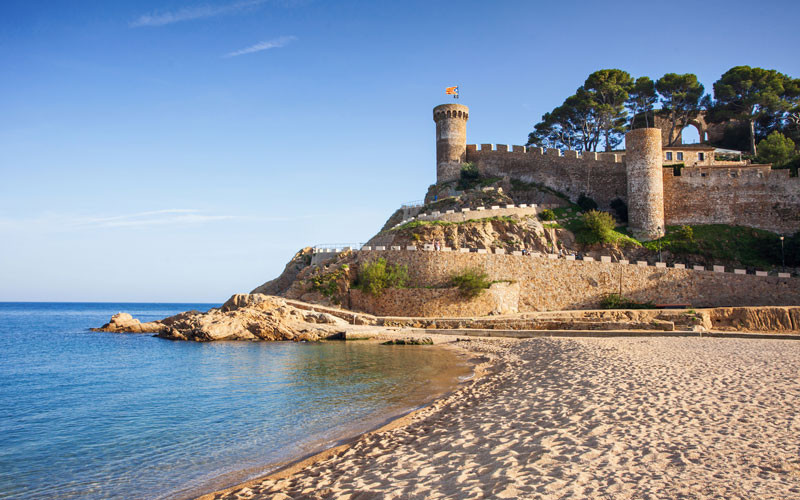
(783, 256)
(659, 244)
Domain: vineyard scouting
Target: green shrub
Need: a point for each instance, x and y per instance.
(600, 225)
(547, 214)
(685, 233)
(328, 283)
(471, 282)
(376, 276)
(617, 301)
(586, 203)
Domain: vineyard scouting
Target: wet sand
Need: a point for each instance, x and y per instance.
(615, 418)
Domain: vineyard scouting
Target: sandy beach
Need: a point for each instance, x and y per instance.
(618, 418)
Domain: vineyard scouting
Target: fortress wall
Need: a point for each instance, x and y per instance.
(600, 176)
(557, 284)
(500, 298)
(754, 196)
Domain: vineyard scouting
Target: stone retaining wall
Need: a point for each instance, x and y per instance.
(549, 284)
(501, 298)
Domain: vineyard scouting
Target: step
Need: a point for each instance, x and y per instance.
(528, 334)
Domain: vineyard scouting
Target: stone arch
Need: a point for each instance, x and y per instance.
(698, 122)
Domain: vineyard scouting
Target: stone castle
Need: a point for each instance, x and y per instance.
(680, 184)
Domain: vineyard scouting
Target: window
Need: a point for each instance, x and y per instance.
(680, 156)
(701, 156)
(669, 155)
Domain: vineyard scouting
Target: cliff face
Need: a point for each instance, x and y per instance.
(507, 232)
(282, 283)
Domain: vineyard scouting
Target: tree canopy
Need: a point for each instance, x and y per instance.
(611, 101)
(753, 94)
(573, 125)
(608, 92)
(642, 99)
(680, 101)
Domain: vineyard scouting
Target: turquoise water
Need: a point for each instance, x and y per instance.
(103, 415)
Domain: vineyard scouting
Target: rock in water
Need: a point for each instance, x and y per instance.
(242, 317)
(124, 322)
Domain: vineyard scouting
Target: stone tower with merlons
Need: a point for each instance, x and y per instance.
(451, 140)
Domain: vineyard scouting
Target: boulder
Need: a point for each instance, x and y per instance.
(124, 322)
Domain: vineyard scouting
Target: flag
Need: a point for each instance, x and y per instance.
(451, 91)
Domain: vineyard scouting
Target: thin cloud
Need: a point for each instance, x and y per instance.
(265, 45)
(51, 221)
(191, 13)
(152, 218)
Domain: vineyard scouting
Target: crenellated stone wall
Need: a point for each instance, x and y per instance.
(599, 176)
(547, 284)
(753, 196)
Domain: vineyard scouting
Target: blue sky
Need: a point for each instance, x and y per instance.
(183, 150)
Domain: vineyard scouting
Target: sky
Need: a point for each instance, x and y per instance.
(184, 150)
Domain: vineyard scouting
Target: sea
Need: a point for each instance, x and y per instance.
(94, 415)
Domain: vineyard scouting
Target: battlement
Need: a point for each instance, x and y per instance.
(599, 176)
(759, 173)
(551, 152)
(450, 111)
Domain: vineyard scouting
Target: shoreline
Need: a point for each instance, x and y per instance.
(581, 418)
(478, 365)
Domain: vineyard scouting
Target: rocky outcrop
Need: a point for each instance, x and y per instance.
(511, 233)
(282, 283)
(242, 317)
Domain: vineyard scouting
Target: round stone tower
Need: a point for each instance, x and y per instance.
(451, 140)
(645, 183)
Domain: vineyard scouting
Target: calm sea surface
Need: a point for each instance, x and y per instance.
(105, 415)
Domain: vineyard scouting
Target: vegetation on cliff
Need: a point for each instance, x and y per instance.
(594, 228)
(376, 276)
(471, 282)
(422, 223)
(617, 301)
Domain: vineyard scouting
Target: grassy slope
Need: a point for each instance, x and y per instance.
(748, 246)
(420, 223)
(568, 218)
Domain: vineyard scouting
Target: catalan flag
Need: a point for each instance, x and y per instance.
(451, 91)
